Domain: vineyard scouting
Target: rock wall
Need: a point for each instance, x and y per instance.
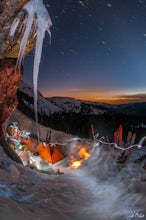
(9, 46)
(9, 83)
(9, 78)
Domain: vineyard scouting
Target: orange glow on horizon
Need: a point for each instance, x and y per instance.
(109, 97)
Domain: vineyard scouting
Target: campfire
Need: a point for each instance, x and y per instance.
(81, 156)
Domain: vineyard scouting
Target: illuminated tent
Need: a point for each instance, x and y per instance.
(50, 153)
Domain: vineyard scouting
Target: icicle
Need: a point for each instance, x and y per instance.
(43, 25)
(37, 14)
(14, 26)
(22, 27)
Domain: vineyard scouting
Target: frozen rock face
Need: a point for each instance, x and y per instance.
(9, 46)
(9, 83)
(9, 49)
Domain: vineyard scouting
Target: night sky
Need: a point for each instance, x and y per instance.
(97, 53)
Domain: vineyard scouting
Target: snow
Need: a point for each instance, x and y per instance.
(66, 104)
(26, 124)
(97, 190)
(71, 105)
(44, 106)
(78, 194)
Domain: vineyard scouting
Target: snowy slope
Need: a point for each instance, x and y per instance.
(96, 191)
(71, 105)
(66, 104)
(25, 95)
(27, 124)
(61, 104)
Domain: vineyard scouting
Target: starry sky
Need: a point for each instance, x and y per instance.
(97, 51)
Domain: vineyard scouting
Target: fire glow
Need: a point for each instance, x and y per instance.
(76, 164)
(83, 155)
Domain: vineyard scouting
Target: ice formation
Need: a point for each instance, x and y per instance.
(37, 21)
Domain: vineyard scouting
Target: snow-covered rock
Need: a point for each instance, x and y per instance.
(71, 105)
(52, 105)
(25, 96)
(12, 169)
(66, 104)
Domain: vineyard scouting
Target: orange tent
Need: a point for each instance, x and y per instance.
(50, 153)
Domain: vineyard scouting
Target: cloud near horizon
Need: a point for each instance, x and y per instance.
(120, 99)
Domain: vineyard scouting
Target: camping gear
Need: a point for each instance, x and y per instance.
(29, 143)
(50, 153)
(118, 134)
(22, 143)
(13, 130)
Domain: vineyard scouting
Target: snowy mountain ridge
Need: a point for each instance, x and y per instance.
(76, 116)
(60, 104)
(45, 107)
(71, 105)
(53, 105)
(66, 104)
(97, 108)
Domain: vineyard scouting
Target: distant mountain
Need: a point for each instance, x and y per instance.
(137, 109)
(71, 105)
(26, 102)
(53, 105)
(77, 116)
(98, 108)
